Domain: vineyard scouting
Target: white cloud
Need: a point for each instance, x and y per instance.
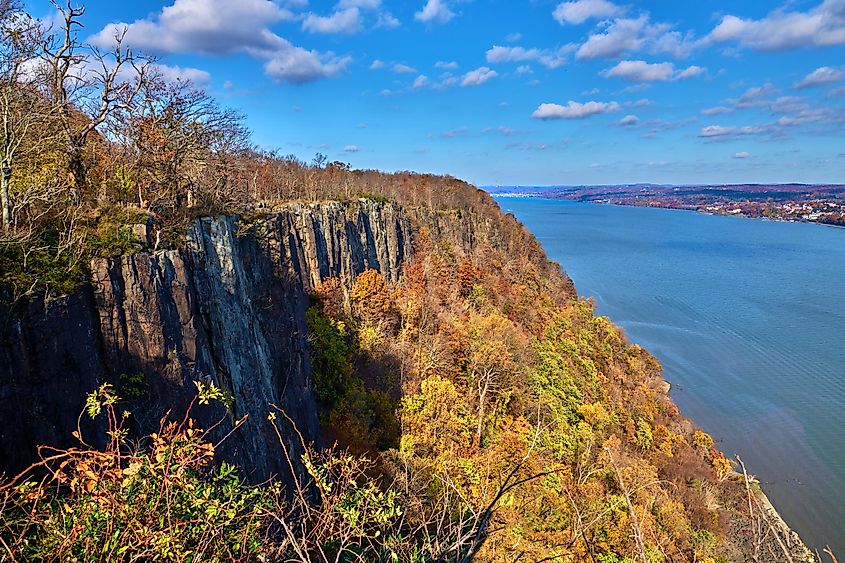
(506, 131)
(753, 97)
(781, 29)
(446, 65)
(207, 26)
(348, 17)
(720, 131)
(718, 110)
(513, 37)
(420, 82)
(363, 4)
(454, 133)
(742, 154)
(690, 72)
(222, 27)
(821, 76)
(297, 66)
(641, 71)
(838, 93)
(387, 20)
(573, 110)
(435, 11)
(377, 65)
(194, 75)
(716, 131)
(524, 69)
(342, 21)
(445, 82)
(579, 11)
(548, 58)
(478, 76)
(350, 148)
(623, 35)
(400, 68)
(629, 121)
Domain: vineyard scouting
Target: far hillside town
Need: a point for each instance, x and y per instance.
(781, 202)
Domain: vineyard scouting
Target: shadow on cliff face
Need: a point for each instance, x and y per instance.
(50, 356)
(229, 307)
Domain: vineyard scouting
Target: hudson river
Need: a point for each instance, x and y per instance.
(748, 319)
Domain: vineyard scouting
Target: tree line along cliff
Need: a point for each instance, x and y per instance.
(213, 352)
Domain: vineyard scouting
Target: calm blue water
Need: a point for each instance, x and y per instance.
(747, 317)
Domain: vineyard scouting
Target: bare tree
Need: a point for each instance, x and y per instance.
(20, 106)
(86, 85)
(180, 143)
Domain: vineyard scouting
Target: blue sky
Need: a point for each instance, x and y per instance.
(519, 92)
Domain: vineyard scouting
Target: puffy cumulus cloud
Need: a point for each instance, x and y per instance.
(573, 110)
(295, 65)
(377, 65)
(348, 18)
(548, 58)
(624, 35)
(821, 76)
(621, 36)
(343, 21)
(177, 73)
(478, 76)
(742, 154)
(784, 28)
(216, 27)
(221, 27)
(629, 121)
(579, 11)
(420, 82)
(641, 71)
(434, 11)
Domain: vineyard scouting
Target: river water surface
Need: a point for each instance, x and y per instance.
(748, 319)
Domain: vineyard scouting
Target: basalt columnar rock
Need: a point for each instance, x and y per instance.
(228, 305)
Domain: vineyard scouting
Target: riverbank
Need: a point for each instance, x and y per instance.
(743, 317)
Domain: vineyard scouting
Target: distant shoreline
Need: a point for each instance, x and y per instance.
(552, 197)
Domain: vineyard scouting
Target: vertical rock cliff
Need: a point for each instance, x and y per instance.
(228, 305)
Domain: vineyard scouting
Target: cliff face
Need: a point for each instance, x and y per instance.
(227, 306)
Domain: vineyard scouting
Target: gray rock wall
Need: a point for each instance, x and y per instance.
(227, 306)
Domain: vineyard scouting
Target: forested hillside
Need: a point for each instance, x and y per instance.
(469, 405)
